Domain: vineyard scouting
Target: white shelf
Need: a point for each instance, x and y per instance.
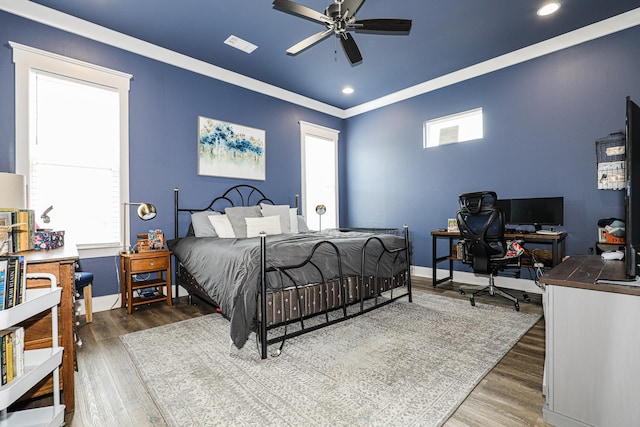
(50, 416)
(37, 301)
(37, 365)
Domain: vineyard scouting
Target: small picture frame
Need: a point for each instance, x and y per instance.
(452, 225)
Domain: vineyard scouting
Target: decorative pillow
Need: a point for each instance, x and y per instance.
(237, 217)
(293, 219)
(302, 224)
(222, 226)
(202, 227)
(282, 211)
(268, 224)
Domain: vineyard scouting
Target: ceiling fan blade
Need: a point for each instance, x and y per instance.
(308, 42)
(383, 25)
(350, 48)
(352, 6)
(300, 10)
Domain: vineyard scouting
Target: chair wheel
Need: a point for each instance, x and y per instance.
(473, 301)
(517, 306)
(526, 298)
(461, 291)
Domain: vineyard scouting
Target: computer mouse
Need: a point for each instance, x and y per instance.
(613, 255)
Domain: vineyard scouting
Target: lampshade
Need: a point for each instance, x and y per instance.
(13, 191)
(146, 211)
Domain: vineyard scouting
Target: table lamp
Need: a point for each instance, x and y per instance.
(320, 210)
(13, 195)
(146, 211)
(13, 191)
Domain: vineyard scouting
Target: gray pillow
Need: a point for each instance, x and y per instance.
(238, 214)
(201, 225)
(302, 224)
(282, 211)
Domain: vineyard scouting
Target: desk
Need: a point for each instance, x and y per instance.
(557, 243)
(592, 345)
(61, 263)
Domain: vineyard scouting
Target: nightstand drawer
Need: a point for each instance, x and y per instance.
(149, 264)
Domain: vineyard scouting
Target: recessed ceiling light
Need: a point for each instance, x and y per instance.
(347, 90)
(238, 43)
(548, 9)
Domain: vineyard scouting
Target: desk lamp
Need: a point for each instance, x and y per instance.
(146, 211)
(320, 210)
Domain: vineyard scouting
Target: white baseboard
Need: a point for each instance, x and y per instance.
(109, 302)
(525, 285)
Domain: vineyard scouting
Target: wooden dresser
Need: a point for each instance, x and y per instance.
(61, 263)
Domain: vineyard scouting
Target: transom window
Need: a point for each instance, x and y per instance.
(459, 127)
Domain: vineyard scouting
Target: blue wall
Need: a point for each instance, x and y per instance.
(165, 103)
(541, 120)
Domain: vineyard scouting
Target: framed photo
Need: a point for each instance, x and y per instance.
(230, 150)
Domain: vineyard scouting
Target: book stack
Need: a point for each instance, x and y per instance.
(13, 280)
(21, 237)
(12, 353)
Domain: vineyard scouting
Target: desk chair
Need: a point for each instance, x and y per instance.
(84, 280)
(485, 248)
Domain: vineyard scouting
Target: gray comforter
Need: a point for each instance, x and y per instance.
(229, 269)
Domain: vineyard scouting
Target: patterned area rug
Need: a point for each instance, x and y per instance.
(405, 364)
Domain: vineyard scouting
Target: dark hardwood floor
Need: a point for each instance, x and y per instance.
(109, 393)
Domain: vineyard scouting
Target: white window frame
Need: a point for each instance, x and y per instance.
(26, 59)
(318, 131)
(453, 128)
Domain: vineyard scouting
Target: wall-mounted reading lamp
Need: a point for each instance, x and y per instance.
(146, 211)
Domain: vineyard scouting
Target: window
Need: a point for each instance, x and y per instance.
(72, 144)
(319, 175)
(460, 127)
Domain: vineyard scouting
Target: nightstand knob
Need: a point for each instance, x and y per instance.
(151, 264)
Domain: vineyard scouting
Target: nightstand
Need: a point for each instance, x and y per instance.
(154, 264)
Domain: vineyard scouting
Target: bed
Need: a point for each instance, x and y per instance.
(266, 273)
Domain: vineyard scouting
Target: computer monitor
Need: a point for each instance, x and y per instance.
(505, 207)
(537, 211)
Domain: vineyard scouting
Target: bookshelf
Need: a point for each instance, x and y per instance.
(38, 363)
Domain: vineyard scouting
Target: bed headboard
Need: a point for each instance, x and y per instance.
(238, 195)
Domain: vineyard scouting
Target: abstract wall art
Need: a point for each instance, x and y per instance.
(230, 150)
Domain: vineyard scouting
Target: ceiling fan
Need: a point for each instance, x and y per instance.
(339, 18)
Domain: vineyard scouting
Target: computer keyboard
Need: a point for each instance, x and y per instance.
(548, 232)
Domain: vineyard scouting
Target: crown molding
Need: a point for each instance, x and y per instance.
(62, 21)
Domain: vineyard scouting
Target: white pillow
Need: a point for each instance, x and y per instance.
(282, 211)
(222, 225)
(268, 224)
(293, 220)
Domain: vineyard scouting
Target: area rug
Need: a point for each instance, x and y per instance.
(405, 364)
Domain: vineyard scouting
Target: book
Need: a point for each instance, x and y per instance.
(8, 337)
(17, 344)
(14, 277)
(3, 351)
(3, 281)
(10, 283)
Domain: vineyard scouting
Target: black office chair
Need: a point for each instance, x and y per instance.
(485, 248)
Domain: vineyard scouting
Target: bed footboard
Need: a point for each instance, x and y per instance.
(332, 300)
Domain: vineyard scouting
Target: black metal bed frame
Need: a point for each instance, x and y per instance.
(248, 195)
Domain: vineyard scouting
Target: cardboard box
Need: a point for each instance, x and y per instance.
(46, 240)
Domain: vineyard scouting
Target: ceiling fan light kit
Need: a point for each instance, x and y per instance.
(339, 18)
